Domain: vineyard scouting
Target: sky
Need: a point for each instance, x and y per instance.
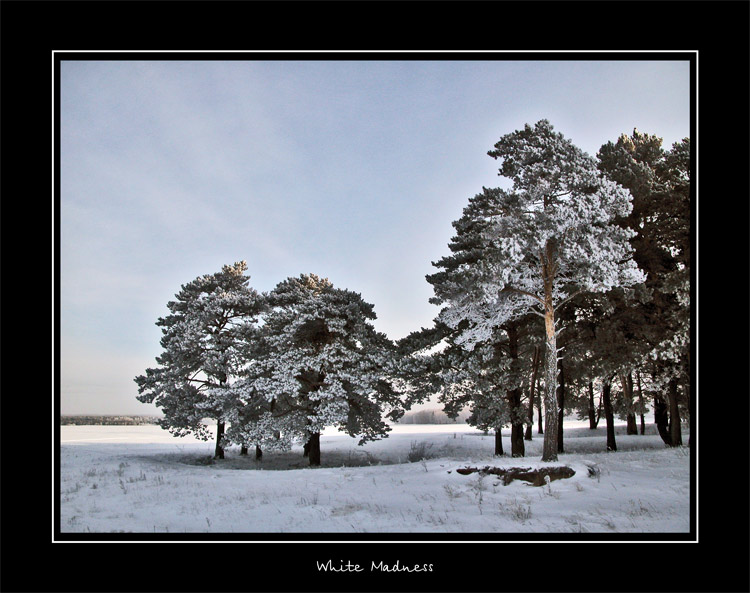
(351, 170)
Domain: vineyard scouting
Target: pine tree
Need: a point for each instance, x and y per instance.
(535, 247)
(203, 341)
(660, 221)
(605, 350)
(489, 380)
(323, 365)
(532, 391)
(421, 359)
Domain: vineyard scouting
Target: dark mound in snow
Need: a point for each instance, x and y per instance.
(537, 477)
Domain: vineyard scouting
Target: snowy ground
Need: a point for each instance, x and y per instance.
(140, 479)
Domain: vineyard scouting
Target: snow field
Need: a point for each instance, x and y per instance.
(140, 479)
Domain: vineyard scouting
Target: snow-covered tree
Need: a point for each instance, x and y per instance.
(420, 360)
(240, 406)
(204, 341)
(535, 247)
(480, 381)
(489, 380)
(659, 181)
(324, 364)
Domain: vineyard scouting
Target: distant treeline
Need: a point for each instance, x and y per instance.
(432, 416)
(121, 420)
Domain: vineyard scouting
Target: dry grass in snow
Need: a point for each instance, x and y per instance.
(140, 479)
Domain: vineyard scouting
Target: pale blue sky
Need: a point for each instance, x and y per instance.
(351, 170)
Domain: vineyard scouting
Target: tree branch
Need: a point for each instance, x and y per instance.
(524, 292)
(572, 296)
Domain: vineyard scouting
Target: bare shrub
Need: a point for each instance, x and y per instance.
(517, 512)
(450, 491)
(418, 451)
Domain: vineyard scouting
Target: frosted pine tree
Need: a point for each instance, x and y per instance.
(325, 365)
(240, 406)
(535, 247)
(203, 341)
(488, 380)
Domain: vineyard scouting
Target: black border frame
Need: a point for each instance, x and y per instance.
(30, 31)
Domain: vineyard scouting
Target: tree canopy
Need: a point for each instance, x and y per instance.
(595, 253)
(203, 341)
(536, 246)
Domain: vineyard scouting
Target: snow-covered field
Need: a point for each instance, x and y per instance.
(141, 479)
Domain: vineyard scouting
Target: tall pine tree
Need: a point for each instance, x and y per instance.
(659, 181)
(535, 247)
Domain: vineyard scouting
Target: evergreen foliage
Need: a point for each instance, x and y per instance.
(584, 257)
(278, 368)
(534, 247)
(320, 362)
(659, 324)
(204, 340)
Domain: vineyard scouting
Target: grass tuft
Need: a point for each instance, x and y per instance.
(418, 451)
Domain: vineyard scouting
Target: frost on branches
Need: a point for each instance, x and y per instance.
(204, 340)
(276, 368)
(322, 364)
(535, 247)
(490, 380)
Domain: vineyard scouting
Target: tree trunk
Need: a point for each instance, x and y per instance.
(641, 406)
(532, 386)
(514, 398)
(593, 420)
(258, 453)
(627, 395)
(661, 419)
(674, 415)
(632, 424)
(527, 432)
(517, 448)
(498, 442)
(243, 450)
(609, 415)
(314, 451)
(561, 404)
(219, 453)
(539, 415)
(549, 448)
